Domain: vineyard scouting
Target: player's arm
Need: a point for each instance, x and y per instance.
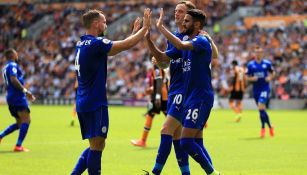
(215, 51)
(271, 74)
(158, 56)
(181, 45)
(158, 89)
(16, 83)
(119, 46)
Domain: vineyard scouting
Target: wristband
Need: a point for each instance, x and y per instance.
(158, 96)
(24, 90)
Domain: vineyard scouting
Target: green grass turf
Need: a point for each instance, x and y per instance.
(234, 147)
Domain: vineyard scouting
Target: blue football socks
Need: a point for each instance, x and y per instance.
(200, 142)
(9, 130)
(81, 164)
(94, 162)
(163, 152)
(182, 158)
(22, 133)
(195, 151)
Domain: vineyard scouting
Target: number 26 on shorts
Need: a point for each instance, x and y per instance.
(192, 114)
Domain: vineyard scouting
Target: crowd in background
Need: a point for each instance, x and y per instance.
(48, 61)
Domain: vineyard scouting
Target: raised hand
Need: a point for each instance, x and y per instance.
(160, 20)
(147, 18)
(136, 25)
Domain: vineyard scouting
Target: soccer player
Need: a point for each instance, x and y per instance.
(171, 130)
(260, 72)
(91, 69)
(198, 93)
(16, 98)
(237, 89)
(158, 89)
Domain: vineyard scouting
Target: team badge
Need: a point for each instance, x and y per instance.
(106, 41)
(14, 70)
(104, 129)
(185, 38)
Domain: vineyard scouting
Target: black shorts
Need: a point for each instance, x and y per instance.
(153, 109)
(236, 95)
(15, 109)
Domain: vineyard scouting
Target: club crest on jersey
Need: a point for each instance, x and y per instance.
(264, 66)
(185, 38)
(106, 41)
(14, 70)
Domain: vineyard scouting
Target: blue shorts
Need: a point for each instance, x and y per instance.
(94, 123)
(262, 97)
(175, 107)
(15, 109)
(196, 115)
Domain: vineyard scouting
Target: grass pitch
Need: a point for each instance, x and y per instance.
(235, 148)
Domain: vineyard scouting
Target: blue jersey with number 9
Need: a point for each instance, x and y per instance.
(91, 70)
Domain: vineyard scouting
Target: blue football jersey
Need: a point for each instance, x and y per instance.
(176, 74)
(260, 70)
(14, 96)
(196, 71)
(91, 70)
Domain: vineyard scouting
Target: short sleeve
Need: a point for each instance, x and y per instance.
(200, 43)
(103, 45)
(12, 70)
(249, 70)
(270, 67)
(174, 53)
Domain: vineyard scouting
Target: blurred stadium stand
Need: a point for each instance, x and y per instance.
(44, 32)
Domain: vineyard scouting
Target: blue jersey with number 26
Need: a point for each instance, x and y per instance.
(91, 70)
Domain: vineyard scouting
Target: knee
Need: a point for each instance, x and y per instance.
(97, 144)
(166, 129)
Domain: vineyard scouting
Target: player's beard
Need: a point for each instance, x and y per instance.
(189, 30)
(101, 34)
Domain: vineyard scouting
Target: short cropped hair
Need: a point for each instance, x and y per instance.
(188, 4)
(198, 15)
(234, 62)
(89, 16)
(9, 53)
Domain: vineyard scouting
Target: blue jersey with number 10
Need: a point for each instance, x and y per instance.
(14, 96)
(91, 70)
(176, 82)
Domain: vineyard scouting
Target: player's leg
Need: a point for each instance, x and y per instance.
(263, 114)
(167, 131)
(94, 126)
(81, 165)
(147, 126)
(24, 123)
(238, 110)
(200, 141)
(232, 105)
(11, 128)
(181, 156)
(194, 150)
(97, 145)
(197, 116)
(74, 115)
